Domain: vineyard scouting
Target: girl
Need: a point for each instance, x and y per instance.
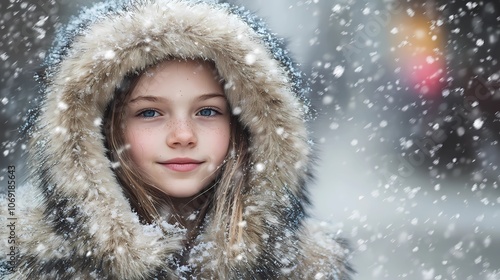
(170, 143)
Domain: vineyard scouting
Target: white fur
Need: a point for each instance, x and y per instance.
(83, 85)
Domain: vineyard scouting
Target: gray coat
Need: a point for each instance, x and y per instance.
(75, 222)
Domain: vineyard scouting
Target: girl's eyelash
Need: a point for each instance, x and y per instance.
(141, 113)
(217, 112)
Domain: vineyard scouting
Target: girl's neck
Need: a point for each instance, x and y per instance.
(188, 212)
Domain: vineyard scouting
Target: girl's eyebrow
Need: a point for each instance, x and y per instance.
(211, 95)
(150, 98)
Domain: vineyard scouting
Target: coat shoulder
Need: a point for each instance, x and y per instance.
(324, 254)
(21, 214)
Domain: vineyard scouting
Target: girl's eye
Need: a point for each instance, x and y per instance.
(150, 113)
(207, 112)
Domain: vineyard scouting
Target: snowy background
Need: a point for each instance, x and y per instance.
(408, 120)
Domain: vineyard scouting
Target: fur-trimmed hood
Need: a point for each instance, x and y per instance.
(81, 225)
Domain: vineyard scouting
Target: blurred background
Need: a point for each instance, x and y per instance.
(407, 95)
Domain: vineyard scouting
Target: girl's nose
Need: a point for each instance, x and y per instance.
(181, 134)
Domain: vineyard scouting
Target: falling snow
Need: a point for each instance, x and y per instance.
(478, 123)
(327, 99)
(259, 167)
(405, 96)
(338, 71)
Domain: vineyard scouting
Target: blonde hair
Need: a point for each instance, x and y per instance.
(145, 199)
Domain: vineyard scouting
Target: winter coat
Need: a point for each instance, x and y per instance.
(75, 222)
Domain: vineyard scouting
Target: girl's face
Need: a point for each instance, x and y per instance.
(177, 125)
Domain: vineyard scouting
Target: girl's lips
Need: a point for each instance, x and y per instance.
(181, 167)
(182, 164)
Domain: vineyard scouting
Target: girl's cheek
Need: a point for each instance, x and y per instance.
(135, 137)
(140, 136)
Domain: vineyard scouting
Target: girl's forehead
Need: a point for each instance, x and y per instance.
(173, 66)
(191, 71)
(179, 75)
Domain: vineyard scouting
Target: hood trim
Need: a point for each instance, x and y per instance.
(77, 178)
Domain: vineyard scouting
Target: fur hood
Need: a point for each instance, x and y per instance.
(77, 223)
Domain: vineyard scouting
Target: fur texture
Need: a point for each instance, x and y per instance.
(81, 225)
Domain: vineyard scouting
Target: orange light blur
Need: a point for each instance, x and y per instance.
(417, 45)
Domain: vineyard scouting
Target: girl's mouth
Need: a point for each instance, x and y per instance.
(182, 164)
